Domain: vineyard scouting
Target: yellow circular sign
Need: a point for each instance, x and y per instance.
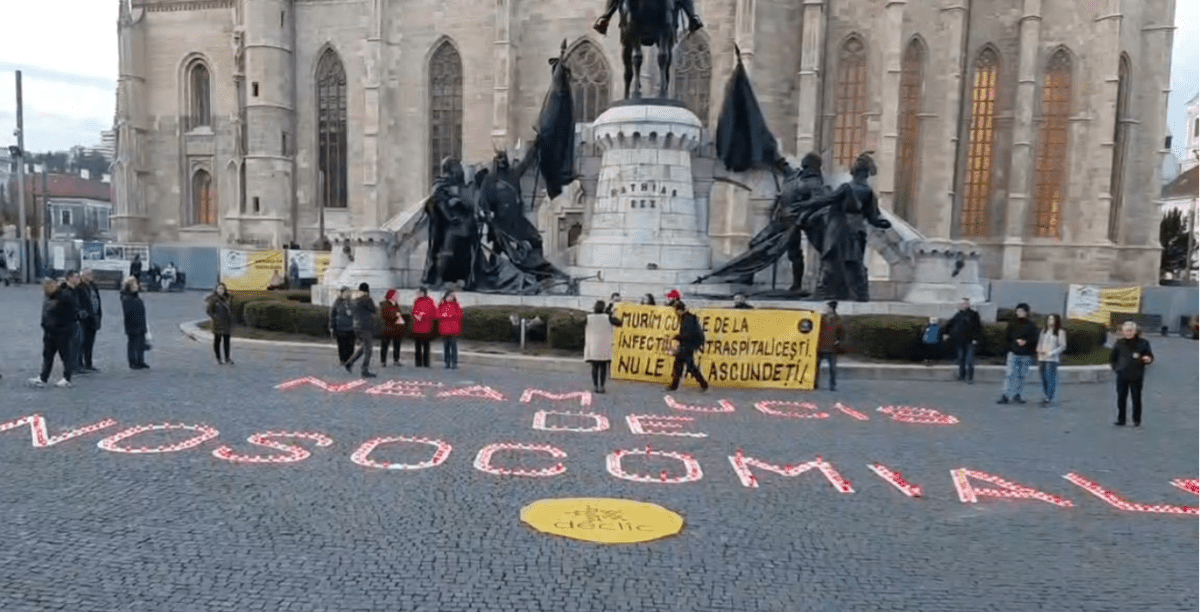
(598, 519)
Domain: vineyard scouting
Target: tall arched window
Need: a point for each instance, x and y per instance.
(850, 103)
(445, 105)
(332, 131)
(977, 188)
(589, 81)
(1052, 146)
(912, 71)
(692, 75)
(1120, 143)
(199, 96)
(204, 199)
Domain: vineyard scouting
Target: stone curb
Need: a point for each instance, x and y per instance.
(849, 371)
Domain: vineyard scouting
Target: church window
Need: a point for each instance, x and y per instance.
(254, 89)
(1120, 143)
(204, 200)
(331, 130)
(445, 105)
(981, 144)
(692, 75)
(589, 81)
(850, 103)
(1052, 147)
(199, 96)
(912, 69)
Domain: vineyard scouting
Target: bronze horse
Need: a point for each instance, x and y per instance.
(647, 23)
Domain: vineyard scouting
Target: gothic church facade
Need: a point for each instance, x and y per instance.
(1033, 129)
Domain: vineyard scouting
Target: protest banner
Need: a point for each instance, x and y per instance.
(307, 264)
(250, 270)
(1091, 303)
(763, 349)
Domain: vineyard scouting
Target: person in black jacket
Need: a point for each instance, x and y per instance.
(135, 324)
(1129, 358)
(58, 327)
(364, 328)
(964, 331)
(1021, 340)
(89, 297)
(219, 307)
(74, 296)
(341, 324)
(690, 339)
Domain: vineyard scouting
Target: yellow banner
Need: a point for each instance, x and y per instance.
(250, 270)
(767, 349)
(1091, 303)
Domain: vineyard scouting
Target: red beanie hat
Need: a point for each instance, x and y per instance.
(391, 293)
(674, 295)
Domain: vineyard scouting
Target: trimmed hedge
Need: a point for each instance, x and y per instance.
(239, 300)
(898, 338)
(286, 316)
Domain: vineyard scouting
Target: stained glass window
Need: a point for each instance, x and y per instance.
(912, 70)
(331, 130)
(590, 81)
(200, 100)
(445, 106)
(850, 103)
(981, 144)
(204, 200)
(1052, 146)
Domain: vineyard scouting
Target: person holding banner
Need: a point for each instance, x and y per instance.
(689, 340)
(598, 343)
(1129, 358)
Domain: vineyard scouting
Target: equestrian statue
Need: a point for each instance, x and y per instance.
(646, 23)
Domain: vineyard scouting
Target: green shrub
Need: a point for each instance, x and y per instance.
(1084, 336)
(286, 316)
(884, 336)
(567, 331)
(993, 344)
(239, 300)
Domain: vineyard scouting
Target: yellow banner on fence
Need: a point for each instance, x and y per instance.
(1091, 303)
(769, 349)
(250, 270)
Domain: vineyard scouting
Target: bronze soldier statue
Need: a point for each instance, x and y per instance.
(799, 186)
(687, 6)
(453, 231)
(862, 210)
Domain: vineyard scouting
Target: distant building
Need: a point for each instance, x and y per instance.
(79, 218)
(1192, 152)
(1182, 194)
(88, 201)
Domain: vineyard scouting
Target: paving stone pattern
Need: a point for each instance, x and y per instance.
(88, 529)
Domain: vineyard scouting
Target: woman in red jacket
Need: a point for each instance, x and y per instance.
(449, 317)
(424, 313)
(393, 328)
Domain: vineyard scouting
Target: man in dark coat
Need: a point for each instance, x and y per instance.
(965, 332)
(135, 324)
(690, 339)
(364, 328)
(1129, 358)
(89, 297)
(58, 327)
(1021, 339)
(73, 294)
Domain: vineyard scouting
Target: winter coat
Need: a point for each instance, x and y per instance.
(1051, 346)
(135, 313)
(598, 337)
(89, 298)
(832, 334)
(691, 333)
(449, 318)
(364, 315)
(1126, 358)
(393, 320)
(1021, 329)
(57, 314)
(70, 297)
(220, 311)
(965, 327)
(341, 316)
(424, 313)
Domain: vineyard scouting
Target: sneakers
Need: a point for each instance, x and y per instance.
(366, 374)
(1003, 399)
(63, 383)
(36, 382)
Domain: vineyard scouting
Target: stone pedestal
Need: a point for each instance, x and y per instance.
(644, 231)
(369, 261)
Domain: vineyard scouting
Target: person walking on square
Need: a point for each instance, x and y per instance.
(1129, 357)
(135, 324)
(424, 316)
(1051, 345)
(393, 328)
(829, 344)
(965, 331)
(219, 308)
(597, 343)
(690, 339)
(1021, 339)
(89, 295)
(58, 325)
(449, 321)
(364, 330)
(341, 324)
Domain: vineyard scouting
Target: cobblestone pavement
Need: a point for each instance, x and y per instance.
(88, 529)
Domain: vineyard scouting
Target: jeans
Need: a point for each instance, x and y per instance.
(220, 340)
(1049, 373)
(366, 342)
(965, 352)
(394, 343)
(1014, 380)
(686, 359)
(831, 359)
(450, 352)
(57, 342)
(1130, 387)
(135, 348)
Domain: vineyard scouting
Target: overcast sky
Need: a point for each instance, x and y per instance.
(67, 52)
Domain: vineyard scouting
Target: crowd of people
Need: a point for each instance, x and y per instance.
(352, 323)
